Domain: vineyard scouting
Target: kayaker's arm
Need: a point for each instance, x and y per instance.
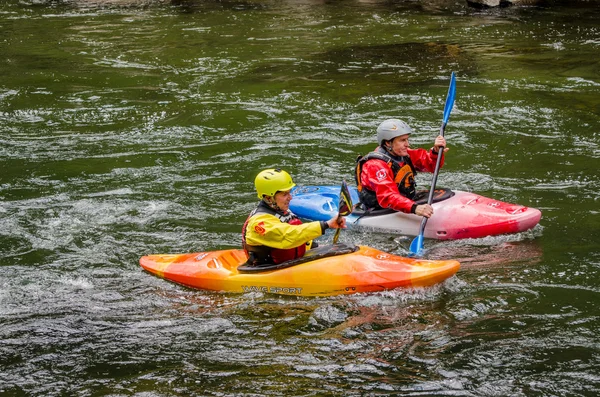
(265, 229)
(424, 160)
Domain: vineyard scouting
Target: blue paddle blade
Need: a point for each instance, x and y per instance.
(450, 98)
(416, 247)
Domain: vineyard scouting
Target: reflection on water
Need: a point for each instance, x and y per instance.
(520, 248)
(130, 128)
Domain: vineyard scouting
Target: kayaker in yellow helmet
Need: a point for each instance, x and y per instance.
(272, 233)
(386, 177)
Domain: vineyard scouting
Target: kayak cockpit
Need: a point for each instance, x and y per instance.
(311, 255)
(422, 196)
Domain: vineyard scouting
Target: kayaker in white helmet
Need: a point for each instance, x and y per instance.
(386, 176)
(273, 234)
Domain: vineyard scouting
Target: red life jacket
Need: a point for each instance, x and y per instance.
(262, 254)
(403, 173)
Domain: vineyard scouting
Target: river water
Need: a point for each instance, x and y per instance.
(137, 127)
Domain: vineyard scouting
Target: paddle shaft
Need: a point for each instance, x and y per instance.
(338, 230)
(346, 200)
(434, 179)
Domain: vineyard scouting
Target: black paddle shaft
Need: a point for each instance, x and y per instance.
(434, 178)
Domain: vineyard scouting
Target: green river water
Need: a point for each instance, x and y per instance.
(137, 127)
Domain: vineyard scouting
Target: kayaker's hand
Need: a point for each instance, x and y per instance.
(338, 222)
(440, 141)
(424, 210)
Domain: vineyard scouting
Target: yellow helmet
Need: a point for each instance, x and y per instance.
(268, 182)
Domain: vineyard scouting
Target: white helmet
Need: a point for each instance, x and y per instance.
(390, 129)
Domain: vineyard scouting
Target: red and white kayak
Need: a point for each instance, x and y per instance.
(457, 214)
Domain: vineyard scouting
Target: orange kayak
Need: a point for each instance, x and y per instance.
(324, 271)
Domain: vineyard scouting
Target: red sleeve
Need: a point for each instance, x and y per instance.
(424, 160)
(377, 176)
